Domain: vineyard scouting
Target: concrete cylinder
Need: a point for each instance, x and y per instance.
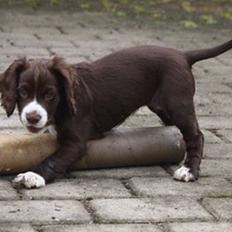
(119, 148)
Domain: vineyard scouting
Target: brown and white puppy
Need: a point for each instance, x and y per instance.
(85, 100)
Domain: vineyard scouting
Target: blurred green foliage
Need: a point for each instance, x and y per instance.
(37, 3)
(189, 13)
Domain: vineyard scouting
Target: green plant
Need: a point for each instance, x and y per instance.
(36, 3)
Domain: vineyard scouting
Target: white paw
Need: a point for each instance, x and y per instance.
(28, 180)
(183, 174)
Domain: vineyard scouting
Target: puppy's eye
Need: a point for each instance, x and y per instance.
(23, 93)
(50, 95)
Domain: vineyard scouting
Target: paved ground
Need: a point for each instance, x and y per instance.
(131, 199)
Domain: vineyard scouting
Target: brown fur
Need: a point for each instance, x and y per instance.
(92, 98)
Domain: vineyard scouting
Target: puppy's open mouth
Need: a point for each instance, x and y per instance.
(34, 129)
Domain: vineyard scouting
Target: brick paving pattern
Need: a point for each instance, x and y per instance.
(128, 199)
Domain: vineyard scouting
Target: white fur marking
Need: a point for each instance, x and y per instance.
(34, 106)
(50, 129)
(183, 174)
(29, 180)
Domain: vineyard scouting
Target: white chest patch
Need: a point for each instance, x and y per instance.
(29, 180)
(34, 106)
(52, 130)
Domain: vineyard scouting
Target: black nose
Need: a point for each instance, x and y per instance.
(33, 117)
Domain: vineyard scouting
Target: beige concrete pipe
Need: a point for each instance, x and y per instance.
(130, 147)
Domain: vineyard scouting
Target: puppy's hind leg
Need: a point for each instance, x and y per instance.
(194, 144)
(156, 106)
(175, 109)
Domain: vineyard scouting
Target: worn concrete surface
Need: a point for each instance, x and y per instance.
(136, 199)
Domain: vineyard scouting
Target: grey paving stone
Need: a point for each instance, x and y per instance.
(200, 227)
(148, 210)
(102, 228)
(42, 43)
(17, 52)
(203, 104)
(207, 86)
(90, 53)
(77, 59)
(43, 212)
(175, 41)
(202, 98)
(226, 58)
(218, 151)
(7, 192)
(32, 30)
(153, 187)
(211, 137)
(214, 38)
(16, 228)
(198, 73)
(220, 207)
(226, 134)
(220, 98)
(9, 123)
(93, 43)
(12, 131)
(208, 63)
(141, 121)
(217, 168)
(51, 36)
(122, 173)
(21, 36)
(4, 44)
(215, 122)
(214, 109)
(68, 51)
(144, 111)
(216, 68)
(79, 189)
(206, 123)
(2, 112)
(213, 97)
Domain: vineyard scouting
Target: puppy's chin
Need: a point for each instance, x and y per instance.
(46, 129)
(33, 129)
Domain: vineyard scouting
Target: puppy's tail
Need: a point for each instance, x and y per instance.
(197, 55)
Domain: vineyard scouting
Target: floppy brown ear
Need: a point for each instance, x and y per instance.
(68, 78)
(9, 82)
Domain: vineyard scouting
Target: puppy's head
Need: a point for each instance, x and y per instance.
(38, 88)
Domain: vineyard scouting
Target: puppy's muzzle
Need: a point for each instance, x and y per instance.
(33, 117)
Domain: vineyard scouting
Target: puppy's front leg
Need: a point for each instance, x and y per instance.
(55, 165)
(72, 148)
